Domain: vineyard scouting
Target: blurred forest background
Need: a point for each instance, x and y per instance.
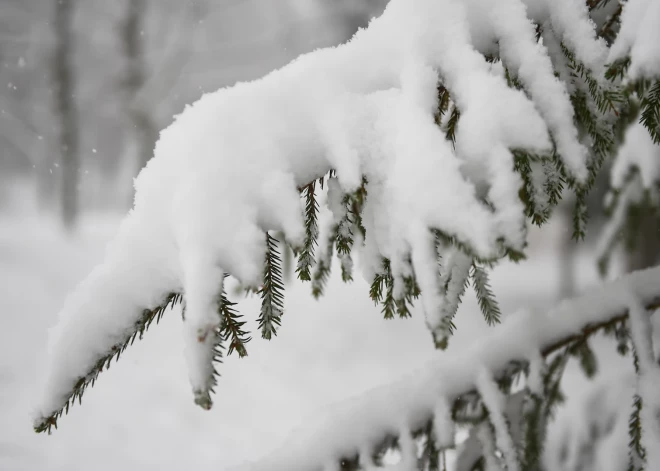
(86, 86)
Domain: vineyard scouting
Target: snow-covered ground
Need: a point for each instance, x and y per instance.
(140, 415)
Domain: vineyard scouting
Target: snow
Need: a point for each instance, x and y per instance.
(530, 61)
(637, 152)
(570, 20)
(494, 401)
(408, 451)
(228, 168)
(443, 425)
(640, 38)
(602, 407)
(487, 441)
(648, 380)
(537, 369)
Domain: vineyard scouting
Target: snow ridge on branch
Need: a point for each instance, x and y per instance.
(416, 185)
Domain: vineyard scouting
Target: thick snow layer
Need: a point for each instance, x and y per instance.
(228, 168)
(640, 38)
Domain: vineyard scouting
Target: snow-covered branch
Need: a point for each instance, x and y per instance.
(439, 131)
(362, 424)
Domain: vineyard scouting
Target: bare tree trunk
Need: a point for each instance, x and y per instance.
(146, 132)
(63, 78)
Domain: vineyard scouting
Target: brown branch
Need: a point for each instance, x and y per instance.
(591, 329)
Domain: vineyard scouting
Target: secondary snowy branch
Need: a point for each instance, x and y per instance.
(364, 422)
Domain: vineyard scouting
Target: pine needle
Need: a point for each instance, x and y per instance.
(487, 303)
(272, 291)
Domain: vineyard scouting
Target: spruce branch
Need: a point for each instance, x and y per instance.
(586, 356)
(622, 336)
(231, 327)
(487, 302)
(617, 69)
(306, 257)
(554, 181)
(349, 227)
(602, 138)
(411, 292)
(443, 104)
(636, 452)
(607, 100)
(452, 123)
(538, 409)
(430, 458)
(384, 280)
(203, 396)
(323, 268)
(454, 279)
(609, 103)
(382, 291)
(580, 214)
(609, 29)
(443, 240)
(538, 211)
(650, 116)
(534, 432)
(511, 80)
(272, 291)
(46, 424)
(346, 265)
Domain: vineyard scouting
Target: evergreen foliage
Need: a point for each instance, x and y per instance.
(650, 116)
(272, 291)
(306, 255)
(231, 327)
(487, 302)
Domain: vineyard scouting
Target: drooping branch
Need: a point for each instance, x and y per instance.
(272, 291)
(45, 424)
(368, 421)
